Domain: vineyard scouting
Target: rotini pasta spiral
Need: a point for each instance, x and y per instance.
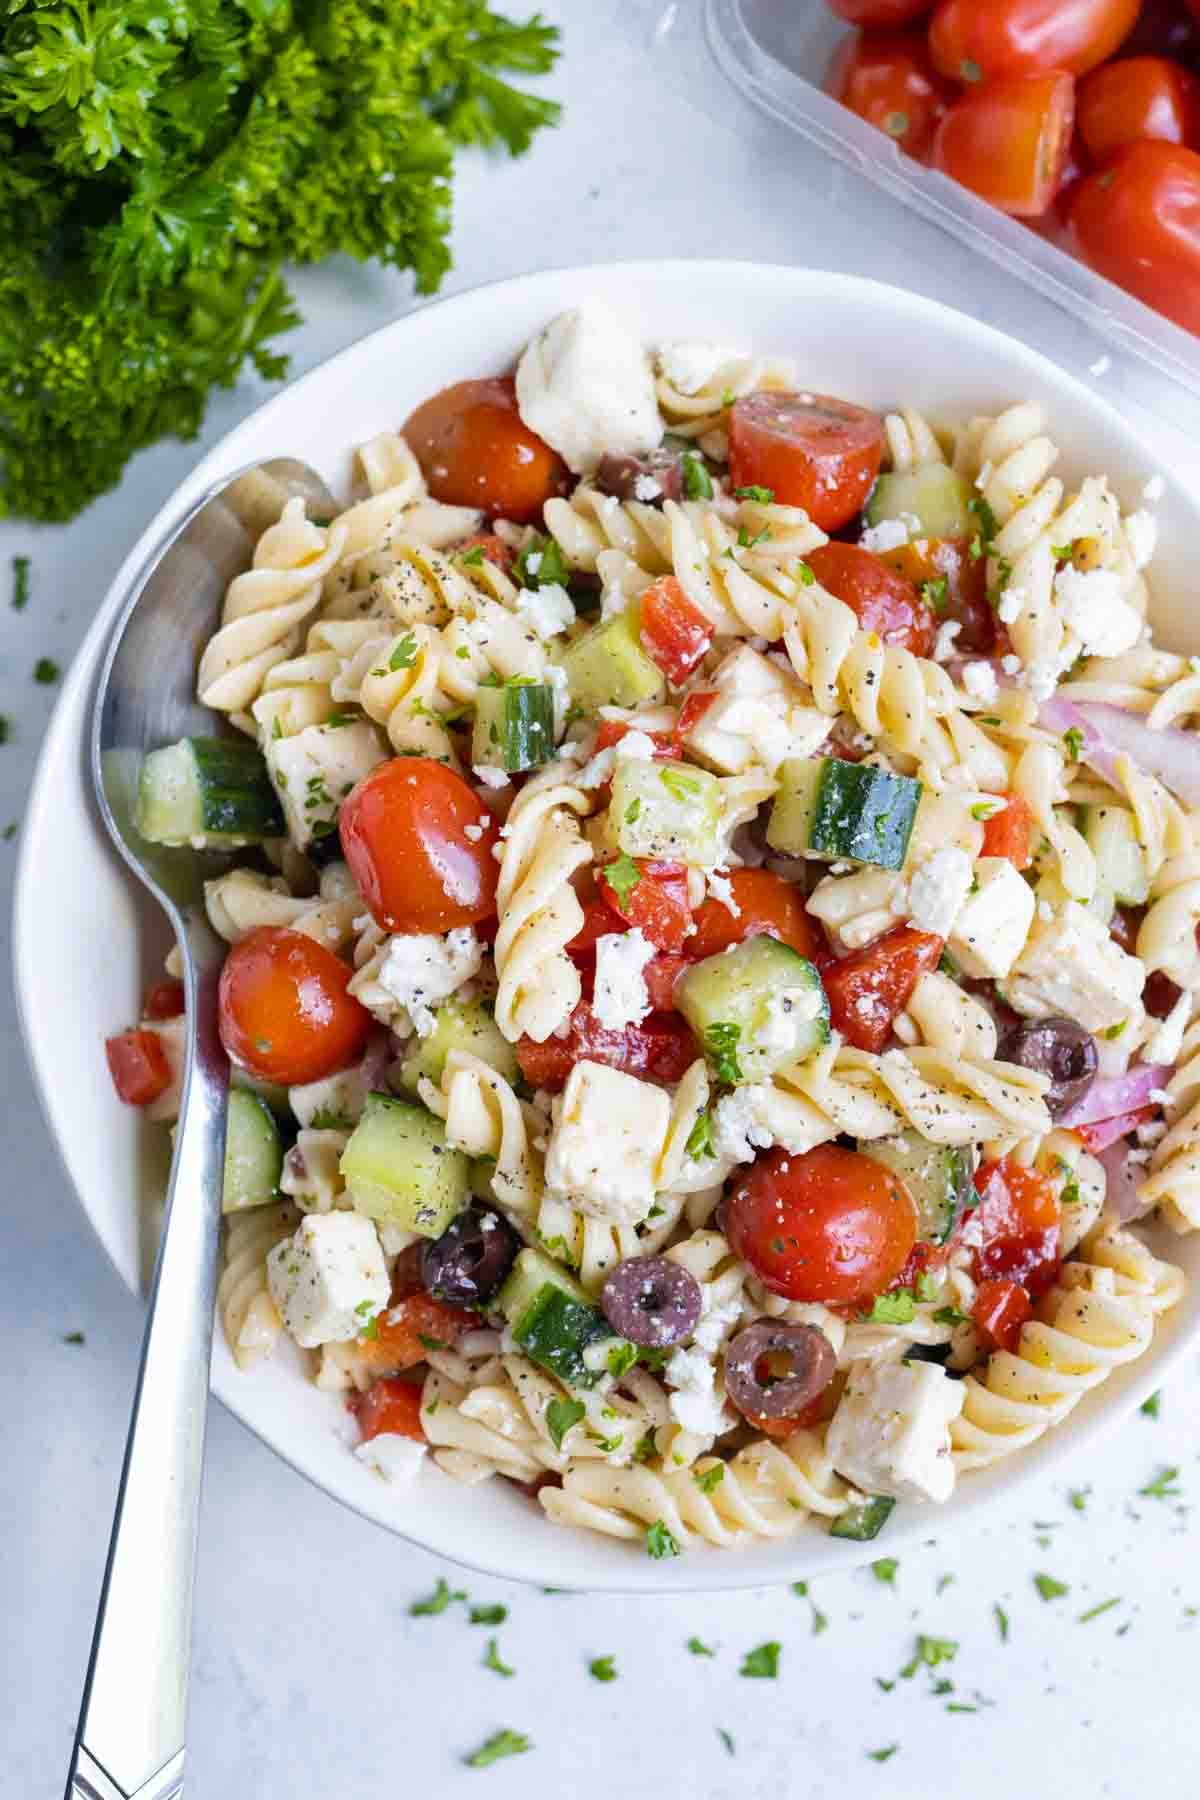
(911, 442)
(242, 900)
(539, 912)
(248, 1314)
(695, 406)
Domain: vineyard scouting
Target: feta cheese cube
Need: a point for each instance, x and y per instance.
(314, 770)
(937, 889)
(990, 931)
(1071, 966)
(606, 1143)
(891, 1431)
(740, 1127)
(584, 386)
(620, 997)
(330, 1279)
(419, 970)
(394, 1457)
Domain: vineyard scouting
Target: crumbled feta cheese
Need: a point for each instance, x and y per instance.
(690, 364)
(943, 648)
(606, 1143)
(1011, 604)
(394, 1457)
(584, 386)
(937, 889)
(492, 778)
(739, 1127)
(635, 746)
(889, 534)
(990, 931)
(715, 1323)
(473, 832)
(1071, 966)
(720, 889)
(1141, 534)
(891, 1431)
(329, 1280)
(646, 488)
(693, 1398)
(1011, 664)
(421, 969)
(1167, 1041)
(1094, 608)
(620, 997)
(549, 609)
(979, 679)
(1154, 489)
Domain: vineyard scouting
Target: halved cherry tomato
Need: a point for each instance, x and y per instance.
(879, 15)
(890, 82)
(674, 633)
(407, 1329)
(1022, 1232)
(660, 977)
(164, 1000)
(661, 1048)
(404, 832)
(953, 583)
(1138, 222)
(657, 903)
(870, 986)
(1138, 97)
(765, 903)
(881, 600)
(494, 549)
(1165, 28)
(613, 730)
(989, 40)
(1009, 833)
(284, 1011)
(138, 1065)
(474, 450)
(831, 1225)
(597, 923)
(810, 450)
(1008, 142)
(389, 1405)
(999, 1310)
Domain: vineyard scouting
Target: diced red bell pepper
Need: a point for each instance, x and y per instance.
(675, 634)
(138, 1065)
(164, 1000)
(657, 903)
(1009, 833)
(403, 1333)
(869, 987)
(495, 550)
(1022, 1232)
(389, 1405)
(999, 1311)
(661, 1048)
(611, 732)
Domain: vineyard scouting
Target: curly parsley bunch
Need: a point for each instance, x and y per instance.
(160, 160)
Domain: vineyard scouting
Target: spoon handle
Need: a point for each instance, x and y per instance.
(130, 1739)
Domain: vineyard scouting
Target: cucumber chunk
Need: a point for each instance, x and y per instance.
(755, 1008)
(269, 1092)
(608, 667)
(1122, 874)
(554, 1321)
(459, 1026)
(514, 725)
(864, 1520)
(666, 809)
(935, 495)
(937, 1177)
(401, 1171)
(211, 793)
(253, 1153)
(841, 811)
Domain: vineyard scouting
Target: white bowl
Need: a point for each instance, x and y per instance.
(87, 939)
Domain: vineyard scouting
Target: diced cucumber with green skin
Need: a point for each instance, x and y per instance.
(514, 726)
(1122, 874)
(935, 495)
(608, 667)
(400, 1169)
(666, 809)
(769, 993)
(269, 1092)
(863, 1521)
(938, 1178)
(210, 793)
(253, 1154)
(843, 812)
(459, 1026)
(554, 1321)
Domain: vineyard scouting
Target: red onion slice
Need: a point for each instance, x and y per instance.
(1111, 731)
(1121, 1195)
(1113, 1096)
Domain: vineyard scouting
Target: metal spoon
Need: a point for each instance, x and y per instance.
(130, 1738)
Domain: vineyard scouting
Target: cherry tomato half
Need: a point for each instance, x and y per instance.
(1138, 222)
(766, 904)
(674, 633)
(284, 1011)
(1008, 142)
(404, 832)
(810, 450)
(830, 1225)
(880, 15)
(389, 1405)
(987, 40)
(881, 600)
(1138, 97)
(661, 1048)
(870, 986)
(138, 1065)
(1019, 1217)
(890, 82)
(999, 1310)
(1009, 833)
(400, 1336)
(954, 584)
(475, 450)
(657, 904)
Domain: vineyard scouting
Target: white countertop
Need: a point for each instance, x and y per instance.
(312, 1682)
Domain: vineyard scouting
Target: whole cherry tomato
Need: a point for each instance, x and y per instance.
(766, 904)
(674, 633)
(1138, 222)
(880, 15)
(1138, 97)
(831, 1225)
(1164, 28)
(953, 583)
(404, 830)
(870, 986)
(1008, 142)
(889, 81)
(1009, 833)
(810, 450)
(284, 1012)
(474, 450)
(986, 40)
(1021, 1225)
(389, 1405)
(881, 600)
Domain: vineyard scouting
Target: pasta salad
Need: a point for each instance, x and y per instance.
(711, 883)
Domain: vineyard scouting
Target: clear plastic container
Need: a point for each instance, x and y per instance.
(775, 54)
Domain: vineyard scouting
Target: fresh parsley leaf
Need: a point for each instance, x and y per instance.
(488, 1615)
(501, 1743)
(884, 1755)
(763, 495)
(711, 1478)
(1151, 1406)
(1094, 1612)
(1062, 552)
(46, 671)
(699, 1649)
(602, 1668)
(20, 590)
(762, 1664)
(432, 1343)
(404, 653)
(1049, 1588)
(633, 811)
(721, 1041)
(645, 1447)
(560, 1416)
(622, 876)
(1078, 1498)
(931, 1652)
(542, 564)
(697, 482)
(1001, 1618)
(700, 1137)
(492, 1659)
(1165, 1486)
(1073, 740)
(660, 1542)
(437, 1602)
(896, 1308)
(884, 1569)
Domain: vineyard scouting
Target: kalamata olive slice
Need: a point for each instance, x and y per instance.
(466, 1265)
(1058, 1048)
(651, 479)
(811, 1365)
(652, 1301)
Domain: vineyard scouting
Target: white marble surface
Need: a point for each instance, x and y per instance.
(311, 1680)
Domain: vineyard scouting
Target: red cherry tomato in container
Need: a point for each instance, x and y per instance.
(138, 1065)
(766, 904)
(1138, 97)
(986, 40)
(810, 450)
(389, 1405)
(1008, 142)
(1020, 1221)
(870, 986)
(284, 1011)
(674, 633)
(831, 1225)
(890, 82)
(1138, 222)
(474, 450)
(881, 600)
(880, 15)
(404, 832)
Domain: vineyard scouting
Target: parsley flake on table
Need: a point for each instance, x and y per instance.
(1165, 1486)
(1050, 1588)
(659, 1541)
(500, 1744)
(46, 671)
(437, 1602)
(20, 589)
(74, 1337)
(493, 1660)
(699, 1649)
(1151, 1406)
(762, 1663)
(602, 1668)
(1001, 1618)
(1094, 1612)
(884, 1569)
(1078, 1498)
(488, 1615)
(885, 1754)
(930, 1653)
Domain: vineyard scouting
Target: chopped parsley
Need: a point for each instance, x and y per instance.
(404, 654)
(681, 787)
(20, 590)
(979, 509)
(1073, 739)
(711, 1478)
(488, 1615)
(437, 1602)
(621, 1359)
(560, 1416)
(602, 1668)
(1165, 1486)
(885, 1569)
(726, 1738)
(950, 1315)
(632, 811)
(884, 1755)
(807, 577)
(492, 1659)
(1049, 1588)
(542, 564)
(1094, 1612)
(1001, 1618)
(1078, 1498)
(500, 1744)
(1062, 552)
(622, 877)
(700, 1138)
(645, 1447)
(763, 495)
(762, 1664)
(934, 593)
(1151, 1406)
(728, 397)
(698, 1649)
(930, 1653)
(697, 482)
(660, 1542)
(74, 1337)
(5, 729)
(473, 558)
(896, 1308)
(721, 1041)
(46, 671)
